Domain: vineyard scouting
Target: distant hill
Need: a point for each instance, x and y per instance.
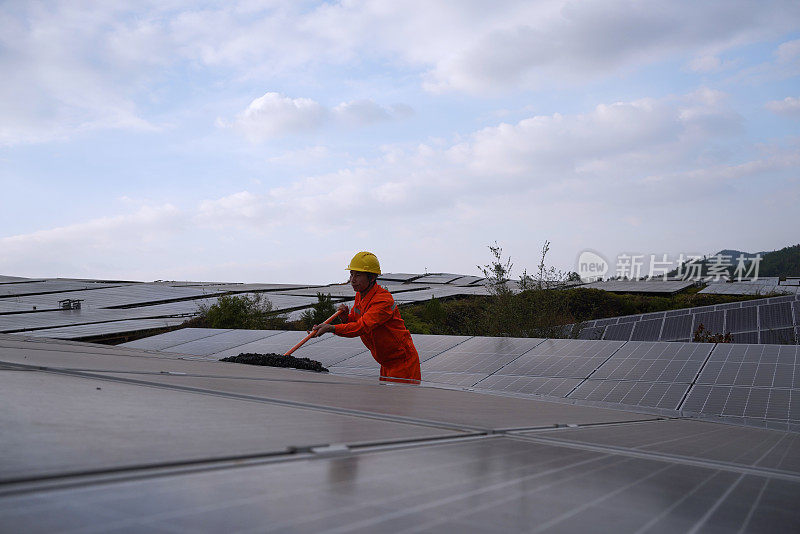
(783, 262)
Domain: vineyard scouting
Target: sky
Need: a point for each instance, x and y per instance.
(269, 141)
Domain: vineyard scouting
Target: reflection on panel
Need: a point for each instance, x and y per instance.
(655, 362)
(561, 358)
(649, 394)
(481, 355)
(553, 387)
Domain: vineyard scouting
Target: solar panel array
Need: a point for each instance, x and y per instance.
(119, 307)
(750, 288)
(641, 286)
(104, 439)
(771, 320)
(667, 378)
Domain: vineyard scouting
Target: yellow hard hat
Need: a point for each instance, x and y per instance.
(366, 262)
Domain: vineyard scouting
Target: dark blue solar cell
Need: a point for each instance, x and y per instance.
(742, 320)
(775, 316)
(619, 332)
(676, 328)
(778, 336)
(714, 322)
(745, 337)
(592, 332)
(649, 330)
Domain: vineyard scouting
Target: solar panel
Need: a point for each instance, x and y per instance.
(649, 394)
(619, 332)
(399, 277)
(750, 447)
(270, 343)
(561, 358)
(774, 316)
(637, 286)
(338, 290)
(170, 339)
(738, 288)
(745, 404)
(676, 313)
(481, 355)
(655, 362)
(741, 319)
(714, 322)
(467, 280)
(676, 327)
(529, 385)
(330, 350)
(752, 365)
(745, 337)
(221, 341)
(102, 329)
(647, 330)
(452, 379)
(607, 321)
(592, 332)
(49, 286)
(438, 278)
(778, 336)
(429, 346)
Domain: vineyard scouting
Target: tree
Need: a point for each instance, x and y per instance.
(319, 312)
(252, 312)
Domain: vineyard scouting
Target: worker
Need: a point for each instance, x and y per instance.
(377, 320)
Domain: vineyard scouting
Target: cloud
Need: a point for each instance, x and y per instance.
(274, 115)
(566, 177)
(73, 67)
(789, 106)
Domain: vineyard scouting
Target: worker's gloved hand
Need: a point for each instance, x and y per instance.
(320, 329)
(345, 311)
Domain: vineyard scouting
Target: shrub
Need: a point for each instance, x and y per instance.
(252, 312)
(319, 312)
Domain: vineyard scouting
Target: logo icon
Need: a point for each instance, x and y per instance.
(591, 266)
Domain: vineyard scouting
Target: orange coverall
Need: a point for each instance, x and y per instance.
(377, 320)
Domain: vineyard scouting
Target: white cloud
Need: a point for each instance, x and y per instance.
(274, 115)
(73, 66)
(789, 106)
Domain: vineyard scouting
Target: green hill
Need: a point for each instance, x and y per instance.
(784, 262)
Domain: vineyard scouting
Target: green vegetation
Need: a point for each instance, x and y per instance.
(782, 263)
(541, 309)
(323, 309)
(542, 313)
(240, 312)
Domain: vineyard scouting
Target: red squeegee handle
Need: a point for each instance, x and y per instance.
(311, 334)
